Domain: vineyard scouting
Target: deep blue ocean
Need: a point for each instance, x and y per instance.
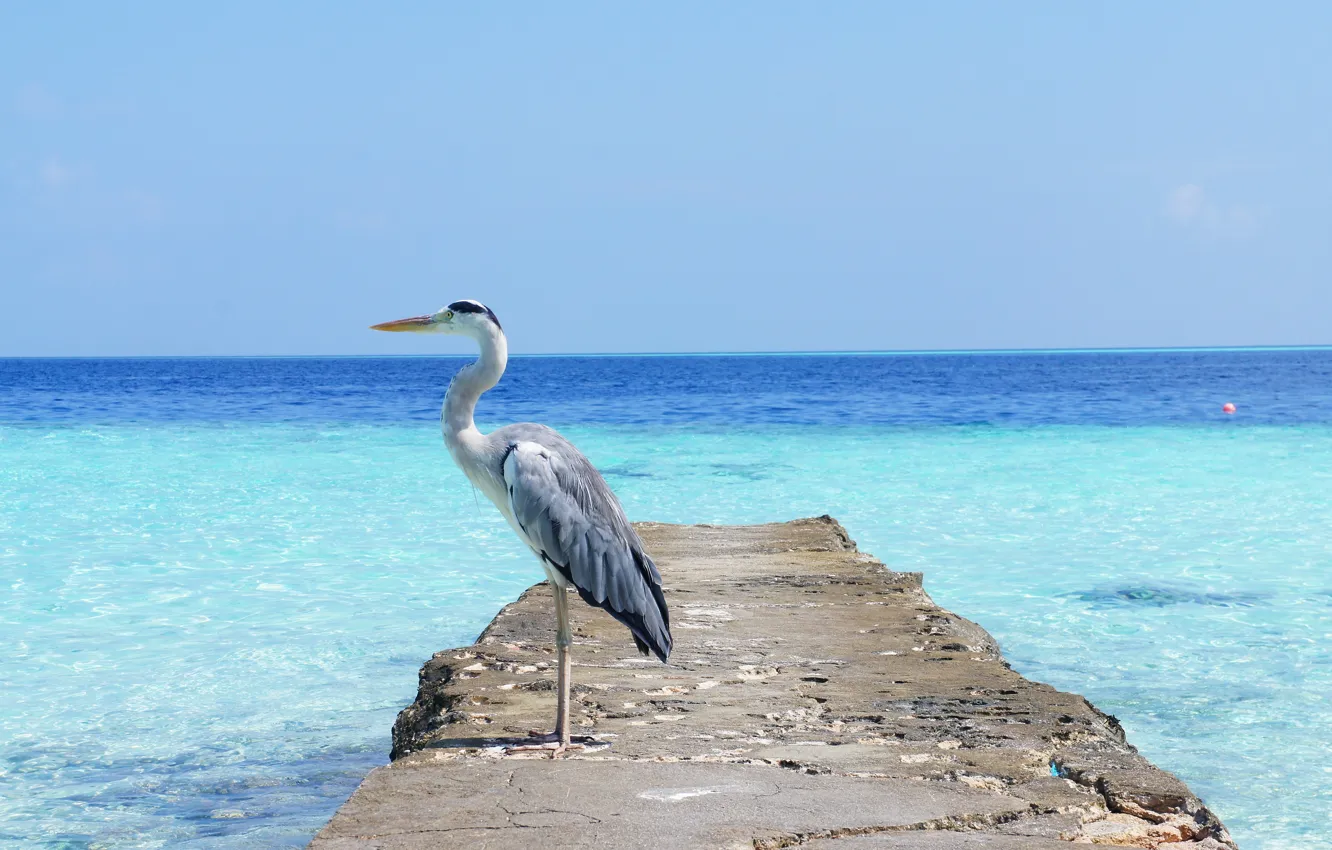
(221, 575)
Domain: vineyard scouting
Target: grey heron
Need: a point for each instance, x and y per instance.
(554, 499)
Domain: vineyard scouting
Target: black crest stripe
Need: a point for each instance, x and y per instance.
(474, 307)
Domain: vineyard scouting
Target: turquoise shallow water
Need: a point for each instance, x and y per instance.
(210, 629)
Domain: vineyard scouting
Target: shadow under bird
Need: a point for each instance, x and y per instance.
(553, 497)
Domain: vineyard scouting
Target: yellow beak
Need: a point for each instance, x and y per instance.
(415, 324)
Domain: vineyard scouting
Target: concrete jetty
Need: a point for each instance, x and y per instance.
(815, 699)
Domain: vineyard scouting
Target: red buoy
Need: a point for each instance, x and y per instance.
(1227, 408)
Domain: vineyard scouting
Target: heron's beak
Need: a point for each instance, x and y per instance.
(415, 324)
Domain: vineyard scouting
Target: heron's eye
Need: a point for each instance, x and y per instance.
(448, 315)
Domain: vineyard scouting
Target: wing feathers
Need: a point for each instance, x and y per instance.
(571, 517)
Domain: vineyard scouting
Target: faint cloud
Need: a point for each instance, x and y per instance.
(1190, 206)
(38, 103)
(1186, 203)
(81, 191)
(55, 174)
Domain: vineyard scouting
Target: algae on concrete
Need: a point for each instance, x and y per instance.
(815, 698)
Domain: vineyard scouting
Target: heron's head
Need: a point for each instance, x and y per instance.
(467, 317)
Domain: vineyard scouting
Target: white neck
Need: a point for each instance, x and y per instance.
(471, 381)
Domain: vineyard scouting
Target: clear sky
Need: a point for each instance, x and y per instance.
(256, 178)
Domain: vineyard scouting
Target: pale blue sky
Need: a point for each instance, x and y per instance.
(182, 178)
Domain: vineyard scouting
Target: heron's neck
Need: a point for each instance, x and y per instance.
(468, 385)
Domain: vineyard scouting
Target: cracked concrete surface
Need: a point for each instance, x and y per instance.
(815, 699)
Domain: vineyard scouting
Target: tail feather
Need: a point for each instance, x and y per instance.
(651, 634)
(651, 623)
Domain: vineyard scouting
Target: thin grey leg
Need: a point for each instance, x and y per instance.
(563, 640)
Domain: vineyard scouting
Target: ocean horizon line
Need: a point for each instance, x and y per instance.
(904, 352)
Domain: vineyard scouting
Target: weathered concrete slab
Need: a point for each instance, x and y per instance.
(814, 699)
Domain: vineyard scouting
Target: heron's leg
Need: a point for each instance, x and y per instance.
(563, 640)
(560, 737)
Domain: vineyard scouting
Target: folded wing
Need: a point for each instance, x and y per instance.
(572, 519)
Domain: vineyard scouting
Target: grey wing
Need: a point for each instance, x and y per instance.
(575, 523)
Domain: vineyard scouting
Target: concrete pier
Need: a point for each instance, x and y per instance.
(814, 699)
